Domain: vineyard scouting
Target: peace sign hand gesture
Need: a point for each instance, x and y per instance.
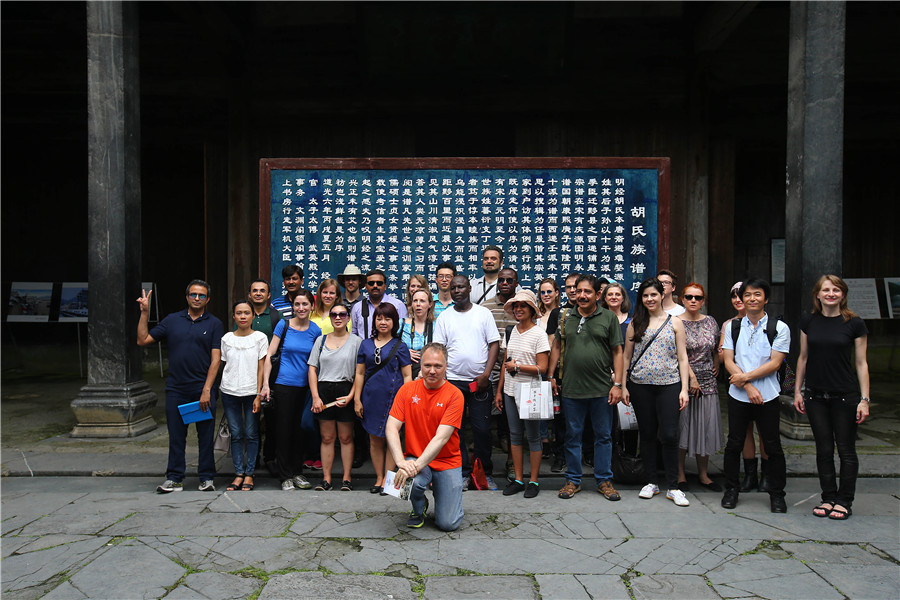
(144, 300)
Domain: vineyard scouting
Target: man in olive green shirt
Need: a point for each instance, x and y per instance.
(589, 341)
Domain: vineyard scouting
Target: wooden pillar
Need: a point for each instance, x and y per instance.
(815, 142)
(116, 402)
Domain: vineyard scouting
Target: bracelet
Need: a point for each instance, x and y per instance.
(864, 399)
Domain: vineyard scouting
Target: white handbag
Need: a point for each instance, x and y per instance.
(535, 401)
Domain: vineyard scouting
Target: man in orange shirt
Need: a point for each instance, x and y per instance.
(431, 408)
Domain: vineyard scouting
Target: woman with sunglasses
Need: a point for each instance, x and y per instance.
(332, 372)
(548, 295)
(327, 295)
(418, 330)
(291, 386)
(751, 479)
(657, 383)
(700, 433)
(836, 398)
(382, 366)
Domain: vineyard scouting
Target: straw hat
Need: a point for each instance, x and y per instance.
(526, 296)
(350, 271)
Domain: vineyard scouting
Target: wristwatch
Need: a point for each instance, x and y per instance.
(618, 385)
(516, 370)
(864, 399)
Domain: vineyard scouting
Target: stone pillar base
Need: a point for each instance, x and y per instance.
(106, 410)
(792, 424)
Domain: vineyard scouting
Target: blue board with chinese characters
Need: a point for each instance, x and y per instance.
(549, 221)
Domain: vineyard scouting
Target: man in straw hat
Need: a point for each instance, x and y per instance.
(351, 280)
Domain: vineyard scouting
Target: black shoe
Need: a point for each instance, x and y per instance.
(778, 504)
(514, 487)
(683, 486)
(358, 461)
(546, 452)
(730, 499)
(559, 465)
(711, 486)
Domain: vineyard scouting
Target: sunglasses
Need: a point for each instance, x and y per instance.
(690, 297)
(546, 292)
(581, 324)
(338, 315)
(506, 279)
(377, 355)
(375, 283)
(198, 296)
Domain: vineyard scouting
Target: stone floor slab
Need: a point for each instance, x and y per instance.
(563, 587)
(672, 586)
(31, 569)
(861, 581)
(367, 526)
(843, 554)
(139, 572)
(494, 588)
(605, 587)
(318, 586)
(65, 591)
(159, 523)
(702, 525)
(767, 577)
(808, 527)
(529, 556)
(215, 586)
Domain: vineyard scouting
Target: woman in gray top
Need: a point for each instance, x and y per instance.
(332, 371)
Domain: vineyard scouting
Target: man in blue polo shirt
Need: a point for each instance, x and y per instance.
(293, 283)
(194, 337)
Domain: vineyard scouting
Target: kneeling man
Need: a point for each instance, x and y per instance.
(431, 408)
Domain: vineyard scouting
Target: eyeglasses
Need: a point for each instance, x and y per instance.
(694, 297)
(506, 279)
(664, 282)
(338, 315)
(377, 355)
(581, 324)
(374, 283)
(546, 292)
(446, 276)
(198, 296)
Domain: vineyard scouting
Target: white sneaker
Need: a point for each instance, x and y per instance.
(301, 482)
(649, 490)
(287, 485)
(207, 485)
(170, 486)
(678, 497)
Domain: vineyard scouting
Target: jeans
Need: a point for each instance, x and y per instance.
(518, 428)
(766, 416)
(206, 430)
(656, 409)
(832, 418)
(289, 402)
(244, 426)
(479, 405)
(446, 486)
(601, 414)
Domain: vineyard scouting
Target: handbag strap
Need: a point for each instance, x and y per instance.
(486, 292)
(647, 345)
(379, 366)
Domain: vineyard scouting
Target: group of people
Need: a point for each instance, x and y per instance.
(407, 371)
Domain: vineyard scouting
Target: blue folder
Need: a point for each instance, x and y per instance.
(191, 413)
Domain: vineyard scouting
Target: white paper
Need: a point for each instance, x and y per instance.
(389, 488)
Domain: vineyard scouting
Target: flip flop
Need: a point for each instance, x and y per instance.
(837, 514)
(823, 509)
(235, 487)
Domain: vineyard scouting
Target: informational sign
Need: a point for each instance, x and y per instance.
(862, 298)
(73, 302)
(892, 289)
(29, 301)
(406, 216)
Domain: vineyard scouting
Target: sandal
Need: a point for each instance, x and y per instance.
(823, 509)
(247, 487)
(235, 486)
(838, 514)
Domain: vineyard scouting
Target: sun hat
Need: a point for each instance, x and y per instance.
(526, 296)
(350, 271)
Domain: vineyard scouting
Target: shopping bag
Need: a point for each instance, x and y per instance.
(535, 401)
(479, 477)
(627, 418)
(223, 437)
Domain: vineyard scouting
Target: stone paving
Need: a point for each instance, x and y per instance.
(79, 537)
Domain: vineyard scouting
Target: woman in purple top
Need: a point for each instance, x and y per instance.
(836, 398)
(382, 366)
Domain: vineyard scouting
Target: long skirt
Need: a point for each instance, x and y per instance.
(700, 428)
